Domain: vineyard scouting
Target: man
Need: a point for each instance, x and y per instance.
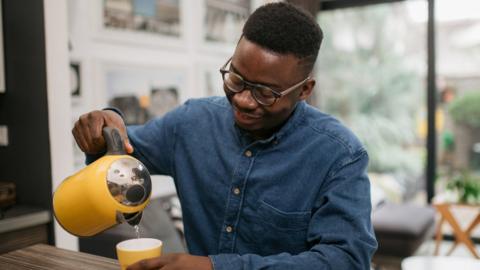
(265, 180)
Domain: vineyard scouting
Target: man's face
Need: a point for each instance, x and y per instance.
(258, 65)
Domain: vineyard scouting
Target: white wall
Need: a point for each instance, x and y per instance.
(59, 110)
(96, 49)
(78, 23)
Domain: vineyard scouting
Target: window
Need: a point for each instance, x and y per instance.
(458, 73)
(372, 76)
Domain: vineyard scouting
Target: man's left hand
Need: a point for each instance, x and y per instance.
(174, 261)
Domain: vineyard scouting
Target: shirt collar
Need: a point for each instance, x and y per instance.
(292, 122)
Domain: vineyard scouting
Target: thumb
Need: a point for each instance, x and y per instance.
(128, 147)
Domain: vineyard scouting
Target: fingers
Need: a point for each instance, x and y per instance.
(128, 146)
(87, 136)
(174, 261)
(77, 134)
(114, 120)
(88, 131)
(150, 264)
(95, 130)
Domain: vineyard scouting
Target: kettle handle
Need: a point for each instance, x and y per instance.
(114, 141)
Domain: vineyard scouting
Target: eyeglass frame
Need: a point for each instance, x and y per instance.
(277, 95)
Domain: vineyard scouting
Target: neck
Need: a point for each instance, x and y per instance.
(263, 134)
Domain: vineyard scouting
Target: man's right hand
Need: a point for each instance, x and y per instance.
(88, 131)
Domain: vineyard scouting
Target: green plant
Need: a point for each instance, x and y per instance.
(466, 109)
(467, 187)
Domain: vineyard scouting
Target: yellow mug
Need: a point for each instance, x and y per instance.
(134, 250)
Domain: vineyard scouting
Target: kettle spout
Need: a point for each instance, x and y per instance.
(135, 219)
(131, 218)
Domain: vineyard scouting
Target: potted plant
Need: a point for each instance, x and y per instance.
(465, 187)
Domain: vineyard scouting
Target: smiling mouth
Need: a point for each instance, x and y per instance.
(247, 115)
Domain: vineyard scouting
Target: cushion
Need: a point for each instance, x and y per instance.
(401, 228)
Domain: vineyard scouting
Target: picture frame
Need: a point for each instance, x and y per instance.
(142, 92)
(150, 23)
(75, 79)
(152, 16)
(223, 20)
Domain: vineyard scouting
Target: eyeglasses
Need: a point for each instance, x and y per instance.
(261, 93)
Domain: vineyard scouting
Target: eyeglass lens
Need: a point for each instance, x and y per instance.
(262, 94)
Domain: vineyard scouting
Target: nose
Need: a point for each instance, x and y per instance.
(245, 100)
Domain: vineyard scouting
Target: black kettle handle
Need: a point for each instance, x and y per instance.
(114, 141)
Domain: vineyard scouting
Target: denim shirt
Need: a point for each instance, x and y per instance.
(297, 200)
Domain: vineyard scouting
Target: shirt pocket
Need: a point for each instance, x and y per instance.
(277, 231)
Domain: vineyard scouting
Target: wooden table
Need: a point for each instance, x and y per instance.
(461, 236)
(45, 257)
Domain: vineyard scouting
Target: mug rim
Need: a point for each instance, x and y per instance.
(155, 243)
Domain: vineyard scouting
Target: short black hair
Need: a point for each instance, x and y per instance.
(285, 29)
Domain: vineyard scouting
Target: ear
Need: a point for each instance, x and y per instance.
(307, 89)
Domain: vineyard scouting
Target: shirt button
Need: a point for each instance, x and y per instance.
(248, 153)
(275, 142)
(236, 191)
(229, 229)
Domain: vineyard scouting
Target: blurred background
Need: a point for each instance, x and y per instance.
(403, 75)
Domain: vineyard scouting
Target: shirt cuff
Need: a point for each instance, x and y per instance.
(115, 110)
(91, 158)
(226, 262)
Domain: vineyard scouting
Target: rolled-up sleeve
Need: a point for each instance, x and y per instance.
(340, 231)
(154, 142)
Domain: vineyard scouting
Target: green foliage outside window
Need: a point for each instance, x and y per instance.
(466, 109)
(366, 82)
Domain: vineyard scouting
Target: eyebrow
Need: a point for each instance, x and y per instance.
(241, 75)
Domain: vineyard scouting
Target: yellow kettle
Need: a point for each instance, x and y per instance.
(113, 189)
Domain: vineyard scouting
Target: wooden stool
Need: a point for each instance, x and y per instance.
(461, 236)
